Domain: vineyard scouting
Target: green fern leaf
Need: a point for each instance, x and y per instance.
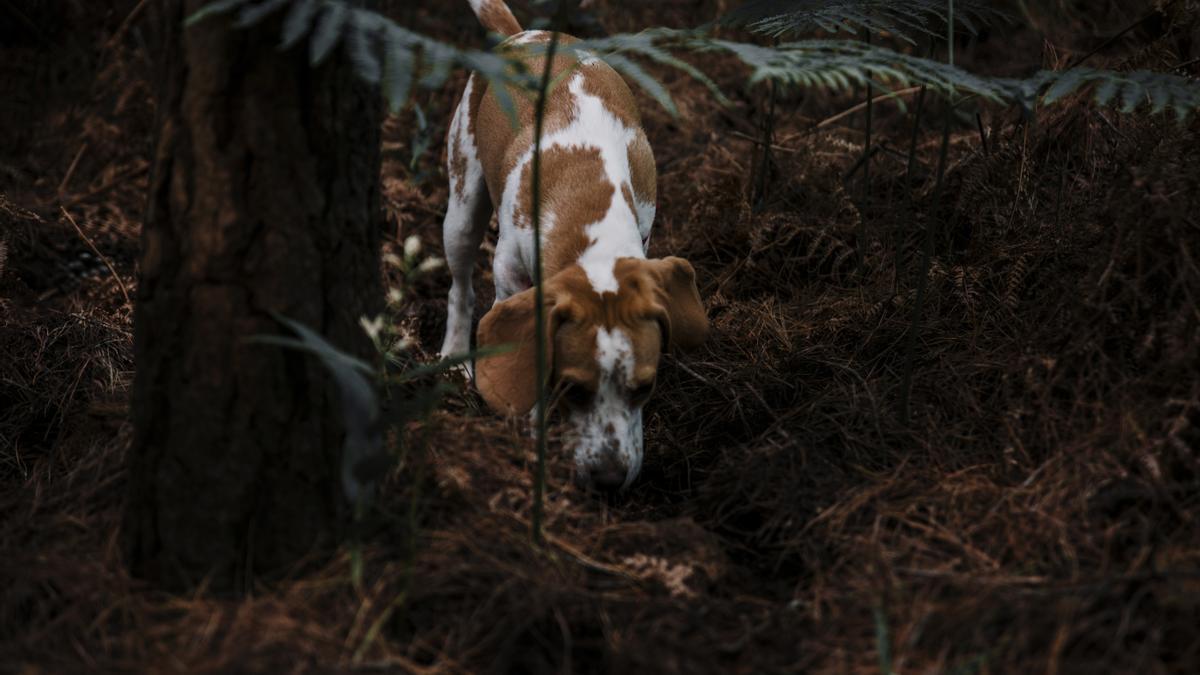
(398, 70)
(253, 14)
(361, 38)
(439, 61)
(1160, 97)
(1105, 92)
(218, 7)
(298, 21)
(644, 44)
(328, 31)
(1069, 82)
(644, 80)
(1132, 96)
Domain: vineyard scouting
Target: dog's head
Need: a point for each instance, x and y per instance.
(603, 354)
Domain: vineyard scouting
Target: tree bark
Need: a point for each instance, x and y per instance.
(264, 198)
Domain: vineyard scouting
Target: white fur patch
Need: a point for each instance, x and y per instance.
(465, 145)
(522, 38)
(613, 422)
(457, 239)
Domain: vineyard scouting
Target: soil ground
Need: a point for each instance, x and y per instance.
(1038, 511)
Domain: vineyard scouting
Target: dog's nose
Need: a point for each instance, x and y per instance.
(607, 473)
(608, 477)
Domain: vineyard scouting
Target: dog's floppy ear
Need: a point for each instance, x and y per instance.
(508, 381)
(676, 293)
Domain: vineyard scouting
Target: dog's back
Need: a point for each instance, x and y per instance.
(597, 162)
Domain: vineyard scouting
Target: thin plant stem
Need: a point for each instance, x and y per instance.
(1062, 186)
(762, 184)
(909, 185)
(866, 178)
(950, 32)
(983, 141)
(539, 302)
(914, 329)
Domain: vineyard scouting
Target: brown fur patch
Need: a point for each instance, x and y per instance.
(656, 302)
(458, 159)
(614, 94)
(583, 311)
(576, 193)
(641, 169)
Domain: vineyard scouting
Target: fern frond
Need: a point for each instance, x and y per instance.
(1129, 90)
(839, 64)
(381, 50)
(900, 18)
(385, 52)
(653, 45)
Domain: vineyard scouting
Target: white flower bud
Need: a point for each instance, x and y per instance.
(412, 246)
(373, 327)
(430, 264)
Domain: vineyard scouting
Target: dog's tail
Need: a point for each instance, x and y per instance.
(496, 16)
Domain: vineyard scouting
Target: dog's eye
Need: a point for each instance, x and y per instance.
(642, 392)
(576, 395)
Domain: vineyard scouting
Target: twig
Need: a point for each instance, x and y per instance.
(71, 169)
(113, 182)
(982, 134)
(853, 109)
(103, 258)
(1187, 63)
(1104, 45)
(757, 141)
(125, 25)
(860, 163)
(689, 371)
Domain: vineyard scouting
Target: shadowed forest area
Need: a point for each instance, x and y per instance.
(1028, 502)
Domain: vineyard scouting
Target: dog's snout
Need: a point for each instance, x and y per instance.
(608, 474)
(608, 478)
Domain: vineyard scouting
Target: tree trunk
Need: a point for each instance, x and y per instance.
(264, 198)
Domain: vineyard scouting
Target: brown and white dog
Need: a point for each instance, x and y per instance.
(610, 311)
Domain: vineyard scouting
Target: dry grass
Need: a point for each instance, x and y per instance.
(1039, 513)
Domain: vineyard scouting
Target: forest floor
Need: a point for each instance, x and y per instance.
(1039, 511)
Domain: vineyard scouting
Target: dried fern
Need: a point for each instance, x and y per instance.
(1015, 282)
